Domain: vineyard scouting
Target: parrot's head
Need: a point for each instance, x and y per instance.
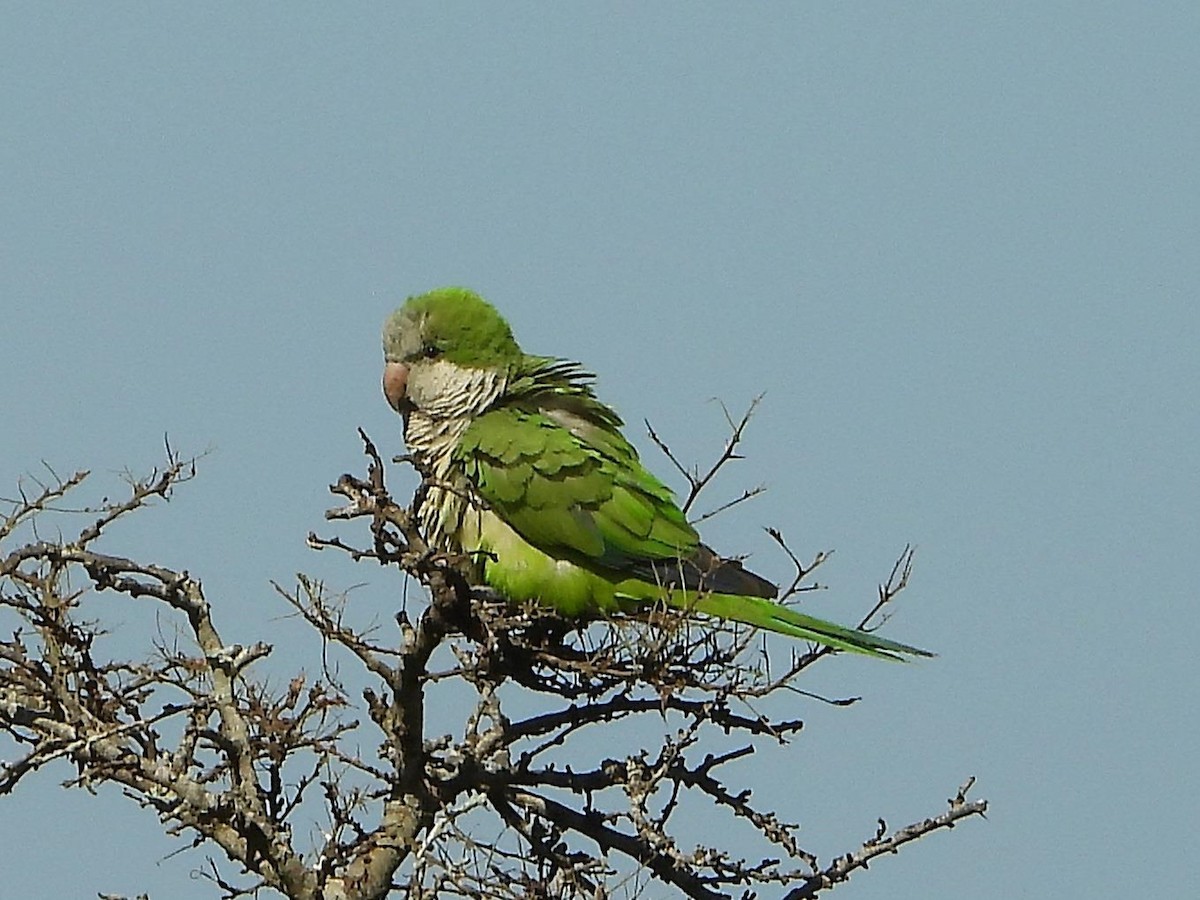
(446, 354)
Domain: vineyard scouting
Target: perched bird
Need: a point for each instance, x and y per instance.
(530, 474)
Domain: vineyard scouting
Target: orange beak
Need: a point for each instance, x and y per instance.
(395, 384)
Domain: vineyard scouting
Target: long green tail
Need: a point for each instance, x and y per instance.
(762, 613)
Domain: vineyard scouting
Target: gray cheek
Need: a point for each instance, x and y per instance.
(429, 383)
(420, 392)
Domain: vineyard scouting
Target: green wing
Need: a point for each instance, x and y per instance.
(574, 492)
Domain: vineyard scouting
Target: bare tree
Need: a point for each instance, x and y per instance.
(520, 801)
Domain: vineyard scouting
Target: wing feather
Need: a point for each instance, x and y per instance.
(569, 495)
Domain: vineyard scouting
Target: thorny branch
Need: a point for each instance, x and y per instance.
(360, 783)
(698, 481)
(882, 842)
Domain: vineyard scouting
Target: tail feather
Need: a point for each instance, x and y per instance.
(784, 620)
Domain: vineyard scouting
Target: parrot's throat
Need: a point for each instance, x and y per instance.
(447, 399)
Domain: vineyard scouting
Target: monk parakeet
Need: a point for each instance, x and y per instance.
(530, 475)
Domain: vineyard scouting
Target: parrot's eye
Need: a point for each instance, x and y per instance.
(431, 352)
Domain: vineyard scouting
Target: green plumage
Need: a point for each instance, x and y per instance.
(569, 498)
(557, 497)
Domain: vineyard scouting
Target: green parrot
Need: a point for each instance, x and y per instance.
(530, 474)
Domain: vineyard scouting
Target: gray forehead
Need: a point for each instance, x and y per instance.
(402, 336)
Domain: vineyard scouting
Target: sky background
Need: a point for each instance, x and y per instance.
(957, 245)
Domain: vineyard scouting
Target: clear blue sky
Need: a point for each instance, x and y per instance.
(958, 245)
